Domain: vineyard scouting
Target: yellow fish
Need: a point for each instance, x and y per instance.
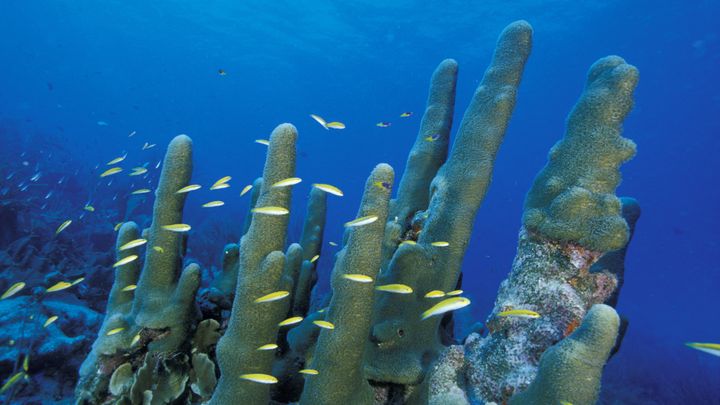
(259, 378)
(290, 181)
(158, 249)
(446, 305)
(565, 403)
(177, 227)
(213, 204)
(711, 348)
(148, 146)
(324, 324)
(116, 160)
(137, 171)
(13, 290)
(291, 321)
(114, 331)
(59, 286)
(432, 138)
(26, 362)
(63, 226)
(132, 244)
(12, 380)
(188, 189)
(314, 258)
(141, 191)
(262, 142)
(406, 114)
(222, 183)
(78, 281)
(277, 295)
(408, 242)
(435, 294)
(309, 371)
(270, 210)
(111, 171)
(454, 292)
(125, 260)
(89, 208)
(319, 120)
(328, 188)
(519, 313)
(50, 320)
(360, 278)
(246, 189)
(135, 339)
(395, 288)
(129, 287)
(361, 221)
(269, 346)
(118, 225)
(335, 125)
(440, 244)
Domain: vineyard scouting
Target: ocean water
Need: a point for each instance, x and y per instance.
(77, 77)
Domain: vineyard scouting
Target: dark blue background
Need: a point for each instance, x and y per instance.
(151, 66)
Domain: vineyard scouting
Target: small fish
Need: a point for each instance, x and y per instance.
(102, 123)
(446, 305)
(131, 134)
(222, 72)
(188, 189)
(335, 125)
(137, 171)
(259, 378)
(454, 293)
(269, 346)
(129, 287)
(26, 362)
(408, 242)
(213, 204)
(116, 160)
(135, 339)
(59, 286)
(711, 348)
(440, 244)
(141, 191)
(89, 208)
(49, 194)
(114, 331)
(148, 146)
(309, 371)
(395, 288)
(12, 380)
(435, 294)
(125, 260)
(565, 403)
(383, 124)
(290, 181)
(291, 321)
(63, 226)
(360, 278)
(132, 244)
(177, 227)
(330, 189)
(263, 142)
(158, 249)
(324, 324)
(50, 320)
(406, 114)
(35, 178)
(111, 171)
(12, 290)
(361, 221)
(277, 295)
(157, 166)
(246, 189)
(222, 180)
(78, 281)
(117, 226)
(332, 244)
(432, 138)
(383, 184)
(314, 258)
(270, 210)
(319, 120)
(519, 313)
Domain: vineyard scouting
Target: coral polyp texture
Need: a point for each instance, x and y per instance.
(254, 335)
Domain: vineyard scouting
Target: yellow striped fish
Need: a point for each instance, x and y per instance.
(446, 305)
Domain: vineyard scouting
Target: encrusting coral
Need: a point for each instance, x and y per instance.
(369, 346)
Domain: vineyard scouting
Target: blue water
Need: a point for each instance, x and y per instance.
(152, 67)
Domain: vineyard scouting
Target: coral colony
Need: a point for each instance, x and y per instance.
(384, 335)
